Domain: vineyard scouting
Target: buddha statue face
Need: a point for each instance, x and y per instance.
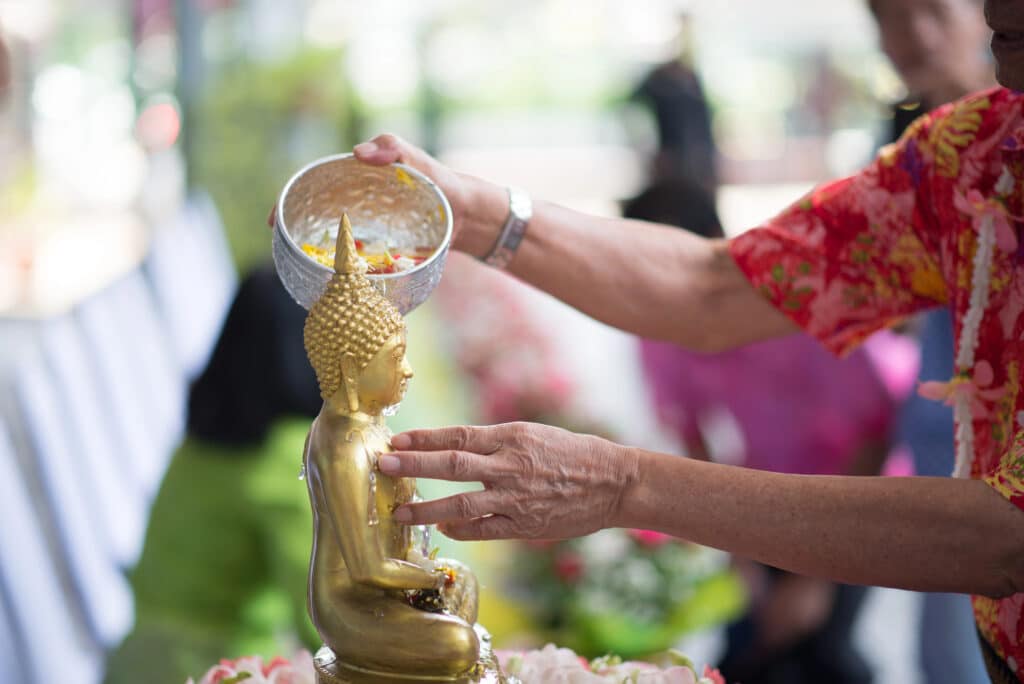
(384, 380)
(355, 338)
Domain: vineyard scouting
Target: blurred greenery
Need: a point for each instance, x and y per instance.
(714, 601)
(256, 124)
(614, 595)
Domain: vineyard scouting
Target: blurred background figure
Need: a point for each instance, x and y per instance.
(785, 405)
(940, 50)
(673, 91)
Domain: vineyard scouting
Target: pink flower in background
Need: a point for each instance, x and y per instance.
(552, 665)
(713, 675)
(975, 387)
(979, 207)
(569, 567)
(252, 670)
(549, 665)
(650, 538)
(509, 354)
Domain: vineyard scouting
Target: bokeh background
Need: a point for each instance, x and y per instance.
(143, 142)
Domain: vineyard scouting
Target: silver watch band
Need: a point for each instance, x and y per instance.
(520, 209)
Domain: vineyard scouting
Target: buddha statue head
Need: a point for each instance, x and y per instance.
(355, 338)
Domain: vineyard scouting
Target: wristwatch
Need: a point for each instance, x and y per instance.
(520, 209)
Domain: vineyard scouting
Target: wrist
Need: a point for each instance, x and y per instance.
(484, 210)
(626, 512)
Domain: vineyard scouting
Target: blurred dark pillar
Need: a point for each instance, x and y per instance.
(431, 107)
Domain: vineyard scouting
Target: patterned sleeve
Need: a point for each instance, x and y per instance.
(855, 255)
(1008, 477)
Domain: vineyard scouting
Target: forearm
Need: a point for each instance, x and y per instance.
(367, 567)
(926, 534)
(651, 280)
(398, 574)
(654, 281)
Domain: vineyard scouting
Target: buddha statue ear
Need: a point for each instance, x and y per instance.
(350, 381)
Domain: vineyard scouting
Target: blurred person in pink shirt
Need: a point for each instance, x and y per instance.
(785, 405)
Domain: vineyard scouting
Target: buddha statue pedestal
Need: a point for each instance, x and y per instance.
(330, 671)
(386, 611)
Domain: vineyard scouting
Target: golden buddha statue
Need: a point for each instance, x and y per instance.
(386, 611)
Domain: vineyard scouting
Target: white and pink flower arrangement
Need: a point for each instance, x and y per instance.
(252, 670)
(549, 665)
(553, 665)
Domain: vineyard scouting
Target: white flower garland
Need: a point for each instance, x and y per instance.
(969, 332)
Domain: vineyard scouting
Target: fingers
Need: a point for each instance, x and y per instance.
(455, 466)
(477, 529)
(384, 149)
(388, 148)
(459, 507)
(480, 440)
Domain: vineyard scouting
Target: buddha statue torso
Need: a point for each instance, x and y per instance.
(386, 611)
(355, 454)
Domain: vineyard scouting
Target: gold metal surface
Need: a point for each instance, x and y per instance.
(364, 570)
(330, 671)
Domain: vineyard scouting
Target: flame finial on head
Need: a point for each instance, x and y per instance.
(346, 258)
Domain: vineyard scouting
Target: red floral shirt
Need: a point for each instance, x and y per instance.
(859, 254)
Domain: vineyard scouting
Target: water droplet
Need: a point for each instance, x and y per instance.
(371, 504)
(420, 533)
(425, 540)
(302, 471)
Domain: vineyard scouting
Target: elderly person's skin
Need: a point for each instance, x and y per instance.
(932, 534)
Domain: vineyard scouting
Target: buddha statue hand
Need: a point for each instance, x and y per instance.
(456, 593)
(460, 589)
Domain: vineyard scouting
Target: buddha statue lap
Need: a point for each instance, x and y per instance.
(385, 610)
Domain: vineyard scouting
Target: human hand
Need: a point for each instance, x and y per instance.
(540, 482)
(479, 208)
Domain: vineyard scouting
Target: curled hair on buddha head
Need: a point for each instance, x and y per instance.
(677, 201)
(350, 322)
